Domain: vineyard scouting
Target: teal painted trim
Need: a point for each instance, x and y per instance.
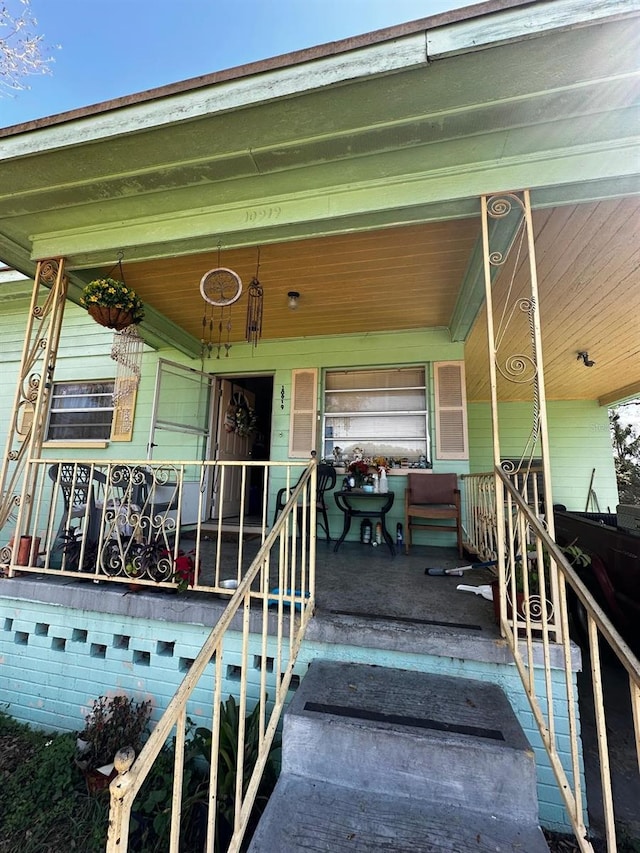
(502, 233)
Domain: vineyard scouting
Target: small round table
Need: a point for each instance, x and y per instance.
(378, 505)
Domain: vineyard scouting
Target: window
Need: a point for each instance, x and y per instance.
(81, 411)
(384, 412)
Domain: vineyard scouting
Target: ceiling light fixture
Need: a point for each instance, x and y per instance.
(293, 297)
(584, 355)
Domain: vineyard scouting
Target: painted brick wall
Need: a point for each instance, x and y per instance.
(54, 661)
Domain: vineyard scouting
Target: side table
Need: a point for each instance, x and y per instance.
(378, 505)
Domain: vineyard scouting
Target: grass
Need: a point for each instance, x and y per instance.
(44, 803)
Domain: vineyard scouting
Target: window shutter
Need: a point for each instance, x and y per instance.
(123, 412)
(302, 422)
(451, 410)
(25, 421)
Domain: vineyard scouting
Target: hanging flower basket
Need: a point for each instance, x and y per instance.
(112, 304)
(112, 318)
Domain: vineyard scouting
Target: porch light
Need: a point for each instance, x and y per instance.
(293, 296)
(585, 358)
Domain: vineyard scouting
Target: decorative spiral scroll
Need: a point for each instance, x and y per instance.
(519, 369)
(49, 271)
(500, 206)
(536, 607)
(6, 554)
(30, 393)
(496, 259)
(526, 305)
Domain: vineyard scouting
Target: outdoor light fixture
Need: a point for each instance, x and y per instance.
(585, 357)
(293, 296)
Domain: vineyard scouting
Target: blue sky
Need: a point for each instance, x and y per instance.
(110, 48)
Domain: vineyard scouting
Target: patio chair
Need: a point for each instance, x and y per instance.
(325, 482)
(78, 485)
(430, 500)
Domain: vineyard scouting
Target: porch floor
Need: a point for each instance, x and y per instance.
(366, 597)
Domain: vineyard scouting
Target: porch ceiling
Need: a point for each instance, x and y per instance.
(357, 169)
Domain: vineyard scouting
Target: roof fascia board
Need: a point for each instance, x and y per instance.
(620, 395)
(519, 23)
(399, 54)
(556, 168)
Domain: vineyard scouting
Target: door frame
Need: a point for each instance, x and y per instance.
(244, 382)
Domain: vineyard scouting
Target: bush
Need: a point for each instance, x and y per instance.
(112, 724)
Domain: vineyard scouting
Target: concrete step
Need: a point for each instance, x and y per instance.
(307, 815)
(442, 740)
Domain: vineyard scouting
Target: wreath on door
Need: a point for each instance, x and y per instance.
(240, 417)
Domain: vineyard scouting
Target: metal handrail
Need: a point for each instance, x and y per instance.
(530, 642)
(294, 608)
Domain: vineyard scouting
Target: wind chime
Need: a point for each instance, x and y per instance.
(126, 351)
(254, 308)
(220, 288)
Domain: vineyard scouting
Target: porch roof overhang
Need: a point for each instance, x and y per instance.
(357, 167)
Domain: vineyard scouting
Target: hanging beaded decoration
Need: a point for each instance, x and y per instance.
(220, 288)
(254, 308)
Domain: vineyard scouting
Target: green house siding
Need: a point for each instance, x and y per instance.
(579, 440)
(579, 431)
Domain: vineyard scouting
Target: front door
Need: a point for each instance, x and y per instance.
(233, 444)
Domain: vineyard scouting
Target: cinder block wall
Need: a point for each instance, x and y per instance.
(55, 660)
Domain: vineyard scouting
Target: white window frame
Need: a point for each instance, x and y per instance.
(375, 446)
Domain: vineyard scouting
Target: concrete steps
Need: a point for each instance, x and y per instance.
(378, 759)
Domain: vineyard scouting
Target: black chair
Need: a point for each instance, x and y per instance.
(326, 482)
(78, 484)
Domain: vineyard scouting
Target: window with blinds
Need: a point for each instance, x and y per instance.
(80, 411)
(383, 412)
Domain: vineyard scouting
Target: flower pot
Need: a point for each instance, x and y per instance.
(97, 780)
(28, 547)
(495, 589)
(111, 317)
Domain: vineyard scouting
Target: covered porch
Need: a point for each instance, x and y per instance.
(375, 179)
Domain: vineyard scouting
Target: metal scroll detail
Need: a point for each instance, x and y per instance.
(31, 400)
(516, 320)
(517, 376)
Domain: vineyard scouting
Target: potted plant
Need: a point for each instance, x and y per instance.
(112, 724)
(112, 304)
(576, 557)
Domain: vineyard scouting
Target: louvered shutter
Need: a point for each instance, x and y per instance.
(123, 412)
(302, 422)
(451, 410)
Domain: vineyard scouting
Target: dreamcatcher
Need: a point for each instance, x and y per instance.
(220, 288)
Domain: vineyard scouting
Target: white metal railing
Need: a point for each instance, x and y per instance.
(272, 623)
(142, 522)
(530, 565)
